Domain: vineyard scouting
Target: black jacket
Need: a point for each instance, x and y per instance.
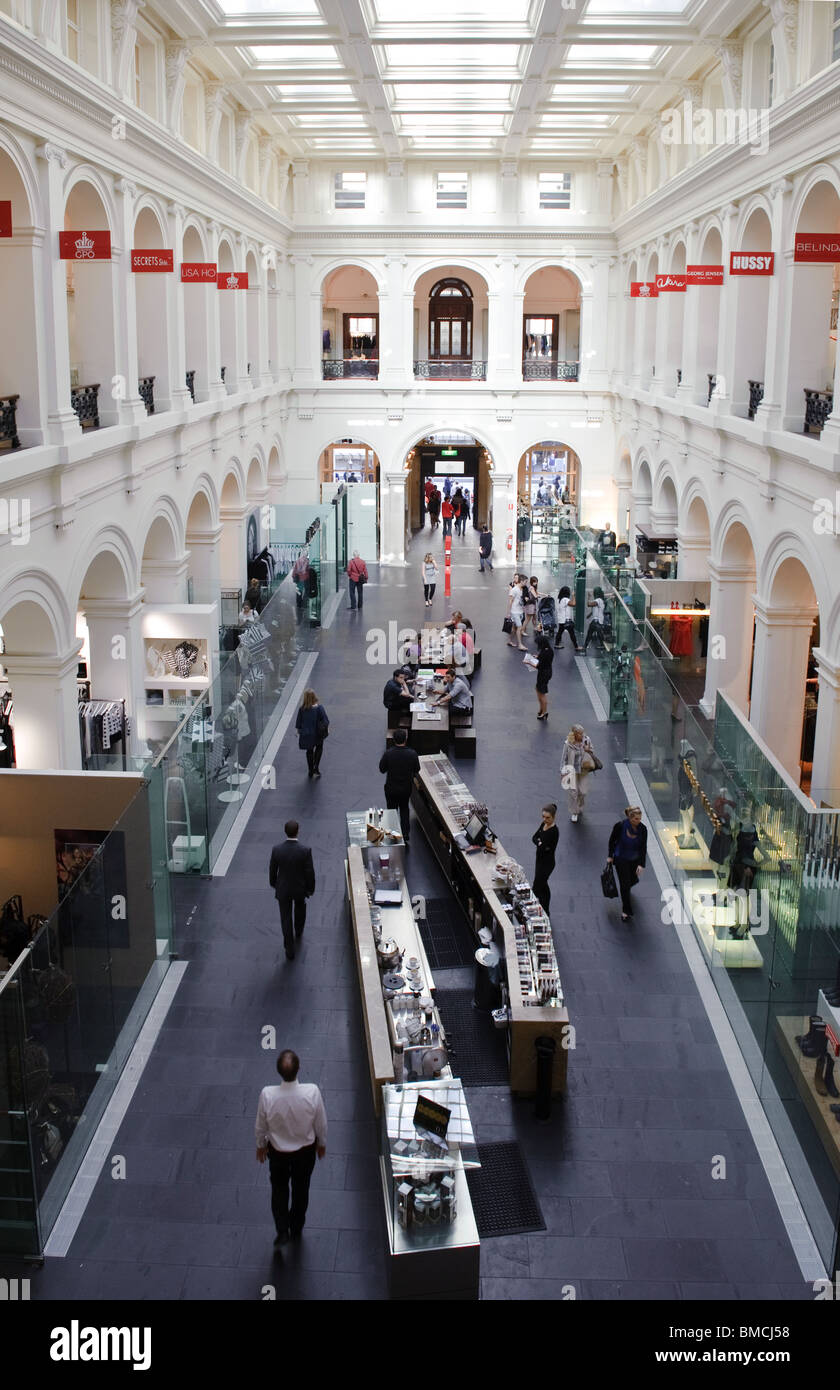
(400, 766)
(485, 543)
(291, 872)
(641, 853)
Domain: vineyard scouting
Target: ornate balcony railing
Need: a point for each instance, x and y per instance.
(451, 371)
(712, 380)
(547, 369)
(339, 370)
(818, 407)
(756, 397)
(679, 376)
(8, 422)
(85, 402)
(146, 387)
(191, 384)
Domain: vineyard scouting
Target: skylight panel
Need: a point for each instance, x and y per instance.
(572, 90)
(312, 91)
(451, 93)
(270, 7)
(278, 54)
(451, 55)
(398, 11)
(624, 7)
(611, 52)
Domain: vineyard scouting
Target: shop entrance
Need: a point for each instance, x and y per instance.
(450, 321)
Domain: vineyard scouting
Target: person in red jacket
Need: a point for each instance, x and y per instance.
(358, 576)
(447, 511)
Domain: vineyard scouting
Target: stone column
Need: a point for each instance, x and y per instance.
(175, 394)
(503, 519)
(117, 659)
(61, 425)
(393, 367)
(233, 557)
(205, 564)
(395, 191)
(730, 636)
(825, 779)
(509, 176)
(307, 337)
(604, 170)
(785, 33)
(392, 501)
(126, 408)
(503, 364)
(165, 581)
(725, 392)
(691, 388)
(779, 315)
(782, 637)
(693, 557)
(216, 387)
(46, 704)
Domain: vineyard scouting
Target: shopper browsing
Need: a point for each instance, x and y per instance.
(516, 610)
(565, 621)
(627, 851)
(578, 763)
(596, 616)
(291, 1130)
(545, 838)
(485, 548)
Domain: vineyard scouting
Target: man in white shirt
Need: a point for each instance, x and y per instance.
(291, 1129)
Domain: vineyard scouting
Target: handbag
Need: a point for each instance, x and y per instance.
(507, 625)
(609, 887)
(596, 761)
(588, 762)
(322, 728)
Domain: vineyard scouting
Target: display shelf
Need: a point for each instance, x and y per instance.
(194, 684)
(802, 1068)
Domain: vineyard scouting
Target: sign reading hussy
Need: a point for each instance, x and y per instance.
(77, 1343)
(152, 260)
(751, 262)
(670, 284)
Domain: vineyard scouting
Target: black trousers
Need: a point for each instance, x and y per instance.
(594, 633)
(566, 627)
(429, 590)
(542, 892)
(400, 803)
(292, 910)
(313, 755)
(357, 589)
(293, 1169)
(625, 871)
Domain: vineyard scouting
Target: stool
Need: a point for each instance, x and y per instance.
(463, 743)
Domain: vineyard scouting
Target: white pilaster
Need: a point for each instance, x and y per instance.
(782, 638)
(825, 779)
(46, 704)
(52, 329)
(729, 650)
(392, 503)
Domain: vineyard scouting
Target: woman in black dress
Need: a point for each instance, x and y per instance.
(545, 840)
(545, 661)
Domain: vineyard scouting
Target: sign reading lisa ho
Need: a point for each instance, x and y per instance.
(152, 260)
(751, 262)
(816, 247)
(6, 217)
(84, 246)
(199, 272)
(704, 274)
(232, 279)
(428, 1114)
(643, 289)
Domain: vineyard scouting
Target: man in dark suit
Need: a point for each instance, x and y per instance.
(400, 765)
(291, 874)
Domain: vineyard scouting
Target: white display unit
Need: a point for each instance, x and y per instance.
(165, 629)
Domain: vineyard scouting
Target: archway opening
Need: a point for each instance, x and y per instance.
(196, 300)
(813, 329)
(202, 539)
(349, 468)
(349, 324)
(163, 571)
(672, 311)
(91, 301)
(20, 401)
(150, 292)
(451, 325)
(448, 463)
(551, 326)
(708, 318)
(752, 303)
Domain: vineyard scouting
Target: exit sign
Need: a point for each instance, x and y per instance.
(449, 453)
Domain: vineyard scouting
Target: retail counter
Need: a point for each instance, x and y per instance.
(437, 800)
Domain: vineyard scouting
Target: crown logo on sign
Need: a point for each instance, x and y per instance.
(233, 282)
(84, 247)
(644, 291)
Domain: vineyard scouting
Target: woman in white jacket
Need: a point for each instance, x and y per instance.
(578, 763)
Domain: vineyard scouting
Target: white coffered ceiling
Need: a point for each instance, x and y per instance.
(461, 78)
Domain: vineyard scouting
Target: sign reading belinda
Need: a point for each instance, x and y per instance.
(817, 247)
(152, 260)
(751, 262)
(198, 272)
(704, 274)
(232, 279)
(84, 246)
(670, 284)
(643, 289)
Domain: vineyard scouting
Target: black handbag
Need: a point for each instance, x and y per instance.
(507, 625)
(609, 887)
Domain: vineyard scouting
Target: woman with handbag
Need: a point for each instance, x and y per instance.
(313, 727)
(578, 762)
(545, 661)
(545, 838)
(516, 612)
(627, 851)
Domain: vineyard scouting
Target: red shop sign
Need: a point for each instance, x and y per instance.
(6, 217)
(704, 274)
(198, 272)
(643, 289)
(232, 279)
(817, 247)
(751, 262)
(84, 246)
(670, 284)
(833, 1044)
(152, 260)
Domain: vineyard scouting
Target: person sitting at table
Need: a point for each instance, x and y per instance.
(457, 617)
(411, 653)
(397, 694)
(456, 691)
(463, 645)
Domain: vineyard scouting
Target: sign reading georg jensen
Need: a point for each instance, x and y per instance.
(704, 274)
(817, 247)
(152, 260)
(751, 262)
(670, 284)
(232, 279)
(84, 246)
(199, 272)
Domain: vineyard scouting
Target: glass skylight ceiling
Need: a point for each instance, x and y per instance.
(451, 55)
(402, 11)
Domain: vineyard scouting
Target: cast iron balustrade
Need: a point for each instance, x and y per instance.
(546, 369)
(438, 370)
(679, 376)
(367, 367)
(146, 387)
(756, 397)
(712, 380)
(191, 385)
(85, 402)
(818, 407)
(8, 421)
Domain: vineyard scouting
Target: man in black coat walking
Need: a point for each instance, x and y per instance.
(400, 765)
(291, 874)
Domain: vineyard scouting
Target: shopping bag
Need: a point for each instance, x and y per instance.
(609, 887)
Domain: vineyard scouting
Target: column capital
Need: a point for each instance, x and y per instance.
(779, 187)
(58, 665)
(729, 210)
(119, 609)
(52, 154)
(126, 187)
(829, 668)
(774, 615)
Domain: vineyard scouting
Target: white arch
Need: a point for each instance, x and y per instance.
(114, 541)
(788, 546)
(206, 485)
(35, 586)
(86, 173)
(234, 467)
(694, 490)
(819, 173)
(192, 223)
(756, 202)
(732, 513)
(712, 223)
(26, 173)
(164, 507)
(454, 262)
(149, 202)
(480, 435)
(553, 263)
(360, 263)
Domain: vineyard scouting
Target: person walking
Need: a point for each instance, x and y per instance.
(401, 765)
(464, 514)
(457, 503)
(565, 621)
(430, 573)
(447, 487)
(428, 489)
(516, 610)
(578, 762)
(545, 661)
(433, 508)
(447, 511)
(313, 727)
(358, 577)
(545, 838)
(627, 851)
(531, 601)
(596, 616)
(291, 1129)
(291, 874)
(485, 548)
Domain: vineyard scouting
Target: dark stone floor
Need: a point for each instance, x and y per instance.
(624, 1168)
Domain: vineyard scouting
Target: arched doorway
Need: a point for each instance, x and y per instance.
(349, 324)
(785, 686)
(753, 299)
(163, 572)
(349, 468)
(551, 326)
(20, 400)
(732, 571)
(451, 459)
(203, 537)
(451, 322)
(450, 325)
(549, 476)
(91, 301)
(812, 347)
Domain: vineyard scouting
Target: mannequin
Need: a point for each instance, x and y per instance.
(746, 858)
(687, 781)
(720, 849)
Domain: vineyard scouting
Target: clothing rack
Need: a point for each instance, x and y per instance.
(101, 724)
(7, 737)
